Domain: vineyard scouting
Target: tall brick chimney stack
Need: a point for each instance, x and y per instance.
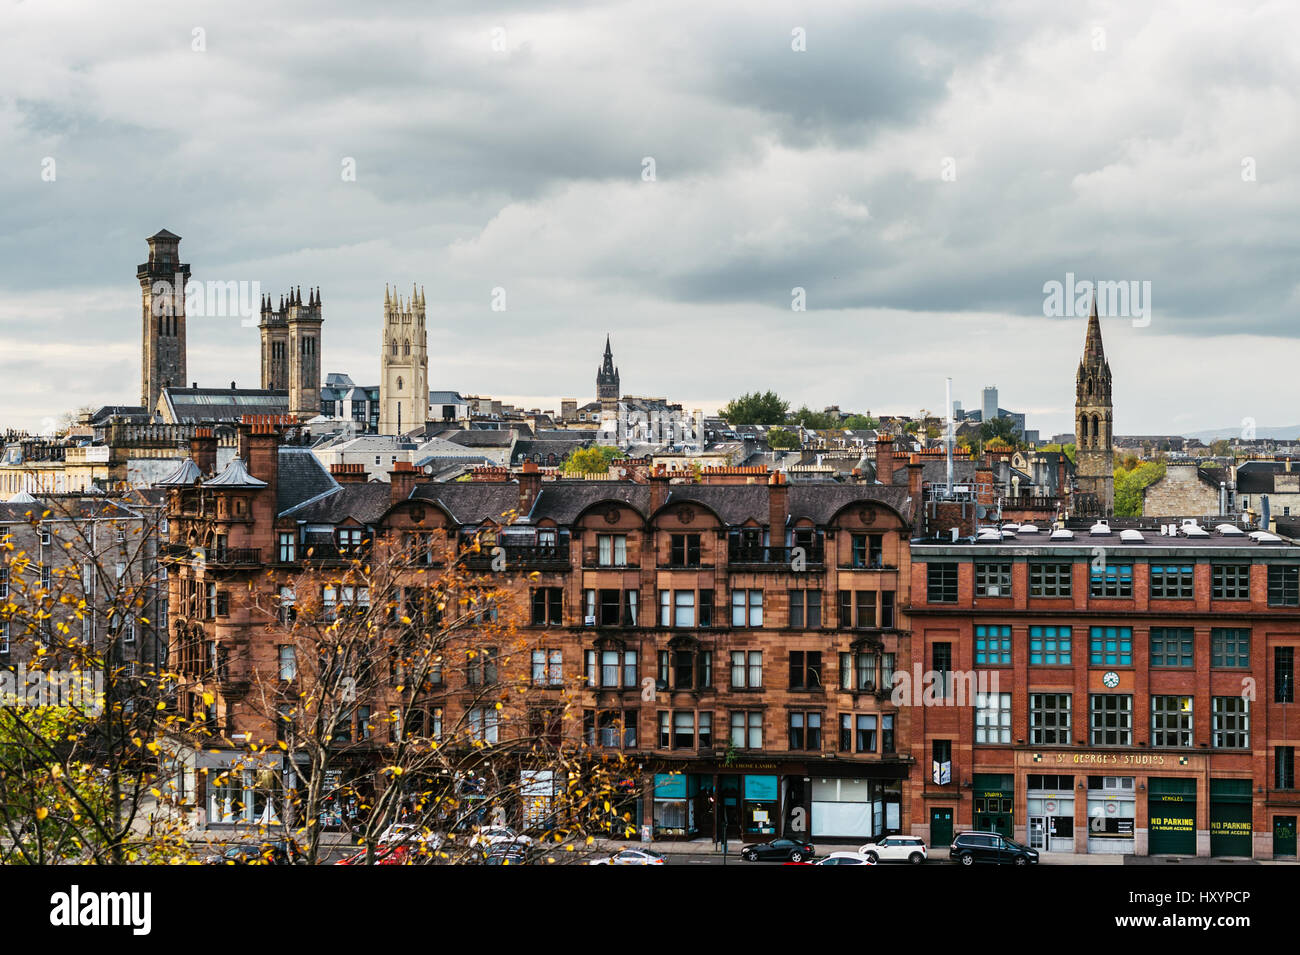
(203, 449)
(658, 488)
(885, 459)
(530, 485)
(402, 480)
(778, 508)
(259, 445)
(984, 478)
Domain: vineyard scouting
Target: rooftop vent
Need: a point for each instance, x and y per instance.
(1230, 530)
(1061, 534)
(1195, 530)
(1264, 537)
(1131, 536)
(1100, 529)
(1029, 528)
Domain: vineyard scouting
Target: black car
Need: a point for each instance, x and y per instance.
(969, 848)
(784, 850)
(508, 853)
(281, 852)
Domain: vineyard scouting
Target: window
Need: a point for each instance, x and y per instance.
(1171, 721)
(547, 605)
(1229, 647)
(1284, 767)
(941, 583)
(858, 671)
(4, 637)
(992, 646)
(941, 664)
(1110, 646)
(288, 663)
(993, 580)
(886, 670)
(1111, 719)
(806, 730)
(747, 669)
(1230, 722)
(683, 608)
(4, 581)
(482, 668)
(805, 609)
(288, 548)
(1050, 580)
(866, 733)
(45, 535)
(887, 608)
(866, 550)
(1049, 646)
(747, 729)
(603, 607)
(1111, 580)
(611, 550)
(858, 609)
(1171, 581)
(548, 668)
(992, 717)
(482, 722)
(1283, 585)
(1049, 719)
(747, 608)
(1230, 581)
(685, 550)
(805, 670)
(363, 723)
(350, 539)
(941, 754)
(887, 732)
(683, 729)
(1171, 646)
(1283, 674)
(846, 732)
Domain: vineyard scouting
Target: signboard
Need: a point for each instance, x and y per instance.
(942, 774)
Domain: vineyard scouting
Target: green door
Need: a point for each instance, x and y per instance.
(941, 828)
(1283, 836)
(1230, 818)
(1171, 817)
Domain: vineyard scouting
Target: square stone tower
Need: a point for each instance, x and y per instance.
(162, 289)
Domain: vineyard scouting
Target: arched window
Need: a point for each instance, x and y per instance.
(399, 383)
(406, 347)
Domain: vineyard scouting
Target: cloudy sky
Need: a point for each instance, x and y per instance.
(668, 173)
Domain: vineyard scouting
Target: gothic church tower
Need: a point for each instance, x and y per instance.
(162, 287)
(1093, 435)
(403, 364)
(607, 385)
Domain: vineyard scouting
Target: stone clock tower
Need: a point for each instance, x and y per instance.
(162, 288)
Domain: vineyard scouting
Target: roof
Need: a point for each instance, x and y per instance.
(164, 234)
(300, 478)
(184, 474)
(445, 398)
(200, 405)
(365, 503)
(235, 475)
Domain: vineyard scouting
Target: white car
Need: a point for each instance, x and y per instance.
(405, 833)
(846, 858)
(896, 849)
(499, 835)
(632, 857)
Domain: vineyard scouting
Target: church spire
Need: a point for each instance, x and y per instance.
(1092, 350)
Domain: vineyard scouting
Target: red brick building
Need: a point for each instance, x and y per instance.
(1108, 692)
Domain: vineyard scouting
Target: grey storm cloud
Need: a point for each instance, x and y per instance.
(920, 166)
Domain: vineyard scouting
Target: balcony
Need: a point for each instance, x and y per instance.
(549, 557)
(769, 559)
(236, 557)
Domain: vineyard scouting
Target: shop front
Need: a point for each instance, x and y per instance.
(1049, 808)
(1171, 816)
(674, 810)
(1112, 815)
(994, 803)
(849, 807)
(1231, 823)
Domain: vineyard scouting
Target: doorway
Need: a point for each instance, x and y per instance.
(1038, 832)
(940, 827)
(1283, 836)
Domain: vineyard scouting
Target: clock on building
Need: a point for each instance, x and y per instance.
(1110, 678)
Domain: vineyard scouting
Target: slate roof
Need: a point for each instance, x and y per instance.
(202, 405)
(235, 474)
(300, 478)
(365, 503)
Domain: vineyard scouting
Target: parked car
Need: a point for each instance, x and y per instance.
(496, 835)
(778, 849)
(508, 853)
(840, 858)
(632, 857)
(969, 848)
(280, 852)
(405, 833)
(384, 855)
(896, 849)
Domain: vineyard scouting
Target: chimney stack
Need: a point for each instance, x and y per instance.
(203, 449)
(530, 485)
(403, 479)
(259, 443)
(349, 473)
(885, 459)
(778, 509)
(658, 488)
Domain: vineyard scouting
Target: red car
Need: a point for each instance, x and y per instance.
(387, 855)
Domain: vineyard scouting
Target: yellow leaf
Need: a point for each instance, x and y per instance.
(208, 699)
(41, 813)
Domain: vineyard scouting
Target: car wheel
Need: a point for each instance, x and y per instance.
(796, 856)
(916, 858)
(966, 858)
(750, 856)
(872, 857)
(1021, 860)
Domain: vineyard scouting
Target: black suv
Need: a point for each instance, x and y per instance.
(971, 847)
